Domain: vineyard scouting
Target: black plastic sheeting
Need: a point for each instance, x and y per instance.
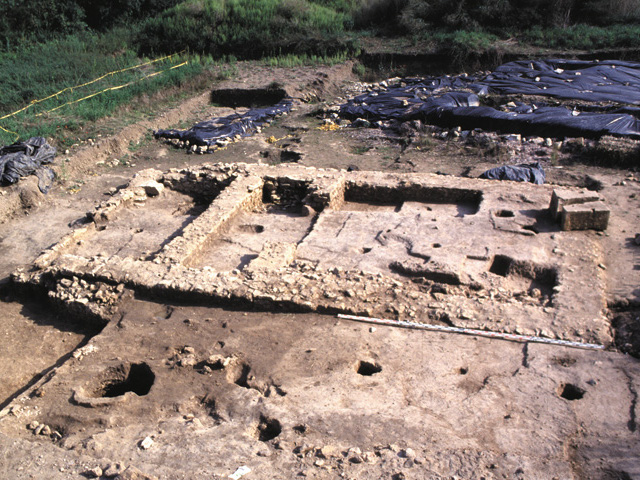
(221, 129)
(26, 158)
(455, 101)
(525, 172)
(606, 81)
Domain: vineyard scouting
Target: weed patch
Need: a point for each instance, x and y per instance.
(59, 86)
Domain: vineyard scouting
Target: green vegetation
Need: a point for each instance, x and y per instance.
(422, 17)
(64, 66)
(360, 149)
(296, 60)
(583, 37)
(48, 46)
(246, 28)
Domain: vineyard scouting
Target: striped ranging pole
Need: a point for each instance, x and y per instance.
(468, 331)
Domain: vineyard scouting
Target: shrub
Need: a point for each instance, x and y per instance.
(416, 17)
(584, 37)
(245, 28)
(101, 15)
(37, 20)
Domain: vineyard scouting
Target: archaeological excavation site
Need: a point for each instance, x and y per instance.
(326, 279)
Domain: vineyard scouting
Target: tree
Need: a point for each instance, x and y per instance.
(38, 20)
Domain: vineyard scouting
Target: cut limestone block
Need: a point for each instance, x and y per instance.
(585, 216)
(562, 197)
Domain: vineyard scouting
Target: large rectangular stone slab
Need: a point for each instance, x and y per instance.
(585, 216)
(561, 197)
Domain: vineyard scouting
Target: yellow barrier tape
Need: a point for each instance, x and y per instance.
(34, 102)
(13, 133)
(118, 87)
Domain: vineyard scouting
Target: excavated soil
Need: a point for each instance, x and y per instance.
(174, 316)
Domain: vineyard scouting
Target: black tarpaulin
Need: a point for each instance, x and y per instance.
(612, 88)
(524, 172)
(26, 158)
(220, 129)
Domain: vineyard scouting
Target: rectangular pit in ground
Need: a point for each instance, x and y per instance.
(142, 229)
(526, 276)
(378, 226)
(279, 218)
(464, 201)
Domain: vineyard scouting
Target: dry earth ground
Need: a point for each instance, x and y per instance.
(300, 394)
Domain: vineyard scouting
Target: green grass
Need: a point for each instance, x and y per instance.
(292, 60)
(36, 72)
(135, 146)
(583, 37)
(360, 149)
(249, 29)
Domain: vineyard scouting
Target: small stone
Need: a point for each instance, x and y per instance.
(189, 361)
(46, 430)
(327, 451)
(94, 473)
(361, 123)
(514, 137)
(113, 470)
(370, 457)
(637, 239)
(33, 425)
(38, 429)
(132, 473)
(372, 329)
(147, 443)
(409, 453)
(602, 266)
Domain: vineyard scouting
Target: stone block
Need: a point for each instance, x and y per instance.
(152, 188)
(585, 216)
(562, 197)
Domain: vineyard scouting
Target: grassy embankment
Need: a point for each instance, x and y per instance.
(211, 33)
(279, 32)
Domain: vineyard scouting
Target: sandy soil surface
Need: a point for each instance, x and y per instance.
(159, 385)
